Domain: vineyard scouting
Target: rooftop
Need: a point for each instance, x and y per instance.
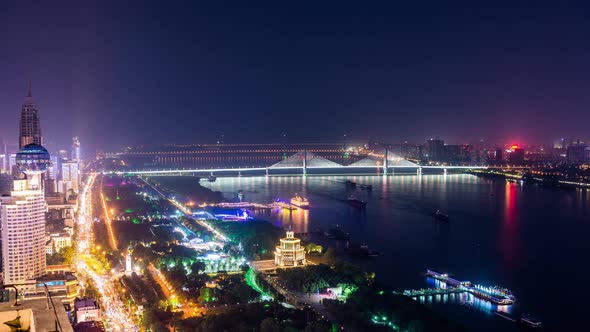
(85, 303)
(42, 313)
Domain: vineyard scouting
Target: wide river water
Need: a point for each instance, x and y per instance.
(534, 241)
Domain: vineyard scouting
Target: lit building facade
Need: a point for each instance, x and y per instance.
(30, 123)
(76, 148)
(22, 216)
(57, 242)
(87, 310)
(4, 163)
(70, 173)
(23, 234)
(289, 252)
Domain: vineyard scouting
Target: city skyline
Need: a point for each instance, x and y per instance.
(316, 73)
(30, 131)
(293, 166)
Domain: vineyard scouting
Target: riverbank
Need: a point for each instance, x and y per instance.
(497, 234)
(188, 190)
(426, 316)
(547, 181)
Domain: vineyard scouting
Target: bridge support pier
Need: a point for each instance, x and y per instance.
(419, 171)
(304, 162)
(266, 170)
(445, 171)
(240, 174)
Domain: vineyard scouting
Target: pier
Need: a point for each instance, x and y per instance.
(243, 205)
(432, 291)
(495, 295)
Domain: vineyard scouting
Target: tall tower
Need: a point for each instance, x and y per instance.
(30, 126)
(76, 149)
(22, 214)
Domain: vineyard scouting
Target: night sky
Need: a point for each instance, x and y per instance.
(182, 72)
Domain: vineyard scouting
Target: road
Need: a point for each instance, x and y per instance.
(298, 299)
(115, 314)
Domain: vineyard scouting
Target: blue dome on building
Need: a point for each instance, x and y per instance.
(32, 158)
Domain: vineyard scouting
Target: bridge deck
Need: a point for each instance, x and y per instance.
(274, 170)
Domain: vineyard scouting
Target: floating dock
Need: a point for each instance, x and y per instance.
(495, 295)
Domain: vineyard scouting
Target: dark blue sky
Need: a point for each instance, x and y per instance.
(185, 72)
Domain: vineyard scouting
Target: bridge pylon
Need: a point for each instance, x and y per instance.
(305, 162)
(385, 162)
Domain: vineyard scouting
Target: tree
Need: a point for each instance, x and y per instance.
(312, 247)
(68, 254)
(90, 291)
(270, 324)
(205, 295)
(416, 326)
(329, 258)
(315, 326)
(197, 267)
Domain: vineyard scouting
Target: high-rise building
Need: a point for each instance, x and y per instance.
(4, 156)
(559, 143)
(11, 161)
(4, 163)
(70, 173)
(516, 156)
(577, 152)
(76, 149)
(30, 124)
(498, 156)
(436, 149)
(22, 217)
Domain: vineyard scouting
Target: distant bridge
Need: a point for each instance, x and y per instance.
(304, 163)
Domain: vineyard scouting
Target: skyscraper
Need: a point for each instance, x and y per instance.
(70, 176)
(22, 216)
(22, 213)
(76, 149)
(30, 126)
(436, 149)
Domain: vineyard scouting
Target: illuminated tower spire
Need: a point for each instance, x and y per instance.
(30, 126)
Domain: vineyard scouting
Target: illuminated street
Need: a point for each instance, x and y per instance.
(115, 313)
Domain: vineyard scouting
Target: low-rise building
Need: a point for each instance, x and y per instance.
(57, 241)
(289, 252)
(87, 310)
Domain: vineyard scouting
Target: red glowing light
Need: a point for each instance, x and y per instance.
(515, 146)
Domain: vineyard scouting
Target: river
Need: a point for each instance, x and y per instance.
(531, 240)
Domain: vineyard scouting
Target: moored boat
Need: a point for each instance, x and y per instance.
(361, 250)
(353, 201)
(439, 215)
(299, 201)
(336, 233)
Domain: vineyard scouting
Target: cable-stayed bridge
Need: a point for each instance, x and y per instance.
(308, 163)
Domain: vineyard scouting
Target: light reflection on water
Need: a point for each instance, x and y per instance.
(522, 237)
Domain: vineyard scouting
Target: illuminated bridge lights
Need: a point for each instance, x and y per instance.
(263, 169)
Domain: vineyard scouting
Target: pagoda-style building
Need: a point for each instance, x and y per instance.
(290, 252)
